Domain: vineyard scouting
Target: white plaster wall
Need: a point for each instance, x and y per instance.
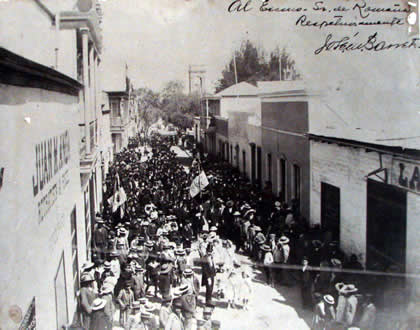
(31, 250)
(345, 168)
(413, 241)
(35, 37)
(239, 104)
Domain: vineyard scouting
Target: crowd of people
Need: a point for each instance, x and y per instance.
(153, 241)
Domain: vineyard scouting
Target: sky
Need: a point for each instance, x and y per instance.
(159, 39)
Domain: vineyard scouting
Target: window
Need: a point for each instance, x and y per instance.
(115, 108)
(244, 161)
(296, 182)
(74, 252)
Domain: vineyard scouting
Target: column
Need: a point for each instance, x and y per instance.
(85, 54)
(92, 90)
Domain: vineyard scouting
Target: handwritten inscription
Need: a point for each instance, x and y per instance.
(373, 43)
(361, 8)
(353, 15)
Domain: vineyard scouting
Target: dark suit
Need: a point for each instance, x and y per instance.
(208, 275)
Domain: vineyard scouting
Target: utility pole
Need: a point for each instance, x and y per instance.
(195, 71)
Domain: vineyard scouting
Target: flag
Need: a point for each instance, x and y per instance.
(199, 183)
(118, 198)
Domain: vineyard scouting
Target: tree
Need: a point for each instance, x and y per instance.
(252, 66)
(179, 107)
(148, 108)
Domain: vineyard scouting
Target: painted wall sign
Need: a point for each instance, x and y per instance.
(406, 175)
(51, 156)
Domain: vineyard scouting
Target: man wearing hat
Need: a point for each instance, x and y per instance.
(193, 282)
(121, 244)
(100, 238)
(115, 264)
(165, 311)
(134, 319)
(284, 272)
(151, 322)
(259, 240)
(347, 303)
(324, 313)
(100, 321)
(188, 303)
(165, 279)
(87, 296)
(208, 273)
(138, 282)
(125, 300)
(268, 263)
(181, 263)
(207, 313)
(175, 318)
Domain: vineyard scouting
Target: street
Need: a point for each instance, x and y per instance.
(269, 308)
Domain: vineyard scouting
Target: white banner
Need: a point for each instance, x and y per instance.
(199, 183)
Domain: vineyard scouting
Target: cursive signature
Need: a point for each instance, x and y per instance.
(373, 43)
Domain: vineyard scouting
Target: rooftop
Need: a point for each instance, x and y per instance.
(240, 89)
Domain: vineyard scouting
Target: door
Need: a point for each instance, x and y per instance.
(259, 161)
(330, 210)
(253, 164)
(386, 226)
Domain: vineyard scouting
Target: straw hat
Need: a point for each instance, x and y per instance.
(284, 240)
(266, 248)
(188, 272)
(86, 277)
(98, 304)
(165, 268)
(87, 265)
(329, 299)
(107, 288)
(149, 307)
(349, 288)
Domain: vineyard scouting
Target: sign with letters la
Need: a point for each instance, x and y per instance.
(406, 174)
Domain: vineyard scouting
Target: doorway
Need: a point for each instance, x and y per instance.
(330, 210)
(386, 226)
(259, 166)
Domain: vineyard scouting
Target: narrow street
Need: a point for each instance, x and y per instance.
(269, 308)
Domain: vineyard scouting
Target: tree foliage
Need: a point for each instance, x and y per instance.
(252, 65)
(171, 104)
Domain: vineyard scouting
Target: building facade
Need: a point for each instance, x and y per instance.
(285, 146)
(124, 114)
(367, 197)
(42, 235)
(53, 138)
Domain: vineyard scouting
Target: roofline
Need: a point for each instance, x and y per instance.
(286, 93)
(117, 93)
(239, 95)
(395, 151)
(20, 71)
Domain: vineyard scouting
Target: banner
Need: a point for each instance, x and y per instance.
(119, 197)
(199, 183)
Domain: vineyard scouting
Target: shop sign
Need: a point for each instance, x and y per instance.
(29, 320)
(406, 174)
(51, 156)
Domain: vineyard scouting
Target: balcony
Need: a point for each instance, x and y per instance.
(119, 123)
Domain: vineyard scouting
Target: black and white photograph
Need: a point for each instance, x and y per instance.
(209, 164)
